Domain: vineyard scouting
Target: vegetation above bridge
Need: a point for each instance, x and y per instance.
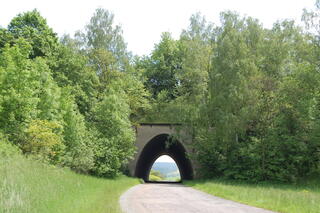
(248, 94)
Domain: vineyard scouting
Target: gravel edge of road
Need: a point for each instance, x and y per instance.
(124, 199)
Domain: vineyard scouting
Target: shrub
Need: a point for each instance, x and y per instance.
(6, 148)
(44, 139)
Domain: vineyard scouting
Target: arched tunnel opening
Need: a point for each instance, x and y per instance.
(163, 144)
(165, 169)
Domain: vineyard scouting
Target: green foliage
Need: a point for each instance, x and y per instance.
(248, 94)
(177, 73)
(44, 138)
(33, 27)
(137, 95)
(101, 34)
(79, 144)
(5, 38)
(65, 102)
(195, 47)
(259, 112)
(115, 142)
(18, 89)
(155, 176)
(6, 148)
(231, 93)
(69, 69)
(49, 93)
(162, 66)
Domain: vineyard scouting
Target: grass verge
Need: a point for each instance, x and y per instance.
(286, 198)
(29, 186)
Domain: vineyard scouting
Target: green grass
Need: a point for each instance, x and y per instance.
(29, 186)
(289, 198)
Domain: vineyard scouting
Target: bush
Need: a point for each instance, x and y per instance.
(6, 148)
(44, 139)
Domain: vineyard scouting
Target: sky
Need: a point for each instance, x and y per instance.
(143, 21)
(165, 158)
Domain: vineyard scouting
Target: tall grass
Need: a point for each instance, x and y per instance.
(29, 186)
(286, 198)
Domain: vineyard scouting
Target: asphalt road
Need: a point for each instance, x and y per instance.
(177, 198)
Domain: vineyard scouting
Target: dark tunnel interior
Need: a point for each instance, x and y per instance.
(157, 147)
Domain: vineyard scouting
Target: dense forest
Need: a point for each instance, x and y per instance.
(249, 95)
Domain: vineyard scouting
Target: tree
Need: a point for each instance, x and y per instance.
(115, 136)
(64, 104)
(256, 122)
(5, 38)
(162, 67)
(196, 51)
(18, 89)
(196, 47)
(70, 69)
(79, 145)
(231, 95)
(33, 27)
(137, 96)
(101, 33)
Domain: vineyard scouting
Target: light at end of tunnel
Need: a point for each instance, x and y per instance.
(164, 169)
(165, 158)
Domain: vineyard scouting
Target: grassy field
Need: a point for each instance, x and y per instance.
(286, 198)
(29, 186)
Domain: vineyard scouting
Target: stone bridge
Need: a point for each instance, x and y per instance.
(154, 140)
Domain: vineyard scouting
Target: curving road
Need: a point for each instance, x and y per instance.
(177, 198)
